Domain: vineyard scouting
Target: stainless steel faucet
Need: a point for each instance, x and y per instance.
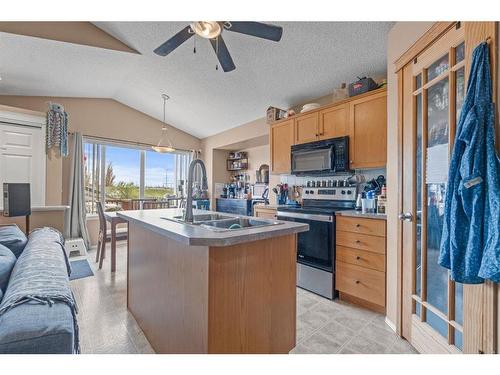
(188, 213)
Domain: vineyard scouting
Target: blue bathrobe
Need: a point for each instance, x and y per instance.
(470, 245)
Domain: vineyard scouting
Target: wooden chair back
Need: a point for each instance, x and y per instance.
(102, 219)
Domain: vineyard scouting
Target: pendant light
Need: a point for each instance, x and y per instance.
(168, 148)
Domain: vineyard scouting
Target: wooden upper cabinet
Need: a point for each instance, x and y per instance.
(307, 128)
(333, 122)
(368, 131)
(281, 140)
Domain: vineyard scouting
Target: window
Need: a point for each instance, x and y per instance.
(124, 176)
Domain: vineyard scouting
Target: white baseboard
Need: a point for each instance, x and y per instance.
(390, 324)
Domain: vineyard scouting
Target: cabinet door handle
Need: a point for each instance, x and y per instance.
(358, 257)
(357, 281)
(358, 241)
(358, 225)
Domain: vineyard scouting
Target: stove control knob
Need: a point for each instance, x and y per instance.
(349, 192)
(343, 192)
(311, 192)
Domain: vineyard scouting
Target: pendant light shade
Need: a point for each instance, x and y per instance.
(164, 136)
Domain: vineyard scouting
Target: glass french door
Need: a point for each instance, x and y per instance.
(433, 93)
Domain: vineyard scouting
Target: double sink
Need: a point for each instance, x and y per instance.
(223, 223)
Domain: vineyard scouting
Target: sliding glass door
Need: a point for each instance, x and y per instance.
(117, 174)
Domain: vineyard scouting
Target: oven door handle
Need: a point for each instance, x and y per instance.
(312, 217)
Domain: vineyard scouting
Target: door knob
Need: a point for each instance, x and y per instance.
(406, 216)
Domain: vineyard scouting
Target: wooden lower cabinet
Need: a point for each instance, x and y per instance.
(361, 261)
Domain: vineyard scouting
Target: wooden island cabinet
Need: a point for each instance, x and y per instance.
(363, 118)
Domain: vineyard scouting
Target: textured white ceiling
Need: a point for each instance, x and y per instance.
(310, 60)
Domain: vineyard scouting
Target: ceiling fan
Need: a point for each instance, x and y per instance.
(212, 30)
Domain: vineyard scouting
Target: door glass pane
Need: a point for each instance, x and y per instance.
(459, 306)
(92, 180)
(418, 81)
(418, 192)
(458, 339)
(460, 52)
(437, 68)
(438, 105)
(437, 323)
(159, 178)
(437, 143)
(122, 176)
(437, 276)
(460, 90)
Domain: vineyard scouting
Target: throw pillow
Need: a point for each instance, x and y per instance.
(13, 238)
(7, 262)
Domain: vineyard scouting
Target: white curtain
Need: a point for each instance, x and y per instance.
(76, 223)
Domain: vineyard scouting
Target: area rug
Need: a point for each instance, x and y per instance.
(80, 269)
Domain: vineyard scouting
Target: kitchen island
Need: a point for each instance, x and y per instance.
(208, 289)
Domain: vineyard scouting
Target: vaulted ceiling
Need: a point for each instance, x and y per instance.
(310, 60)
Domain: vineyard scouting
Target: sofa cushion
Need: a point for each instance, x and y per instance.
(13, 238)
(7, 262)
(33, 328)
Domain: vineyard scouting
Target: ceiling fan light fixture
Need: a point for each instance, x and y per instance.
(207, 29)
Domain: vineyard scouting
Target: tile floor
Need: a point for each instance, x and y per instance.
(323, 326)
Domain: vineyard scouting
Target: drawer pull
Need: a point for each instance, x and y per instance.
(358, 241)
(358, 257)
(358, 225)
(357, 281)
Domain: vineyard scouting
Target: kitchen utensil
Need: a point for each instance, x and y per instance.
(358, 202)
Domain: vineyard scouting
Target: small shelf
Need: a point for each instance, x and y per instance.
(237, 164)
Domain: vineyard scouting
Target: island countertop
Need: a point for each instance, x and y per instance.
(195, 235)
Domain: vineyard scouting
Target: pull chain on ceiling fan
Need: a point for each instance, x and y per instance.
(213, 30)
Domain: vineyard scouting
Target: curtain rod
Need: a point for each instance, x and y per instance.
(132, 143)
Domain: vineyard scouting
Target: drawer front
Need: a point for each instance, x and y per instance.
(360, 282)
(361, 258)
(267, 214)
(374, 227)
(361, 241)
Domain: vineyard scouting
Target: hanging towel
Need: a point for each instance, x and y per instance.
(470, 246)
(57, 128)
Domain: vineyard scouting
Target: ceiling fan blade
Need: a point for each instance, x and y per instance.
(174, 42)
(222, 53)
(258, 29)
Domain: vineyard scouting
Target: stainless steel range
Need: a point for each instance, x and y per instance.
(316, 248)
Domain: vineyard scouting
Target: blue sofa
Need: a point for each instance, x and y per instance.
(32, 326)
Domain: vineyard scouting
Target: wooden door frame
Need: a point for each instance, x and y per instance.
(480, 301)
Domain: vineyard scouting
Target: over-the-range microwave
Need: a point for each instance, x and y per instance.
(325, 157)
